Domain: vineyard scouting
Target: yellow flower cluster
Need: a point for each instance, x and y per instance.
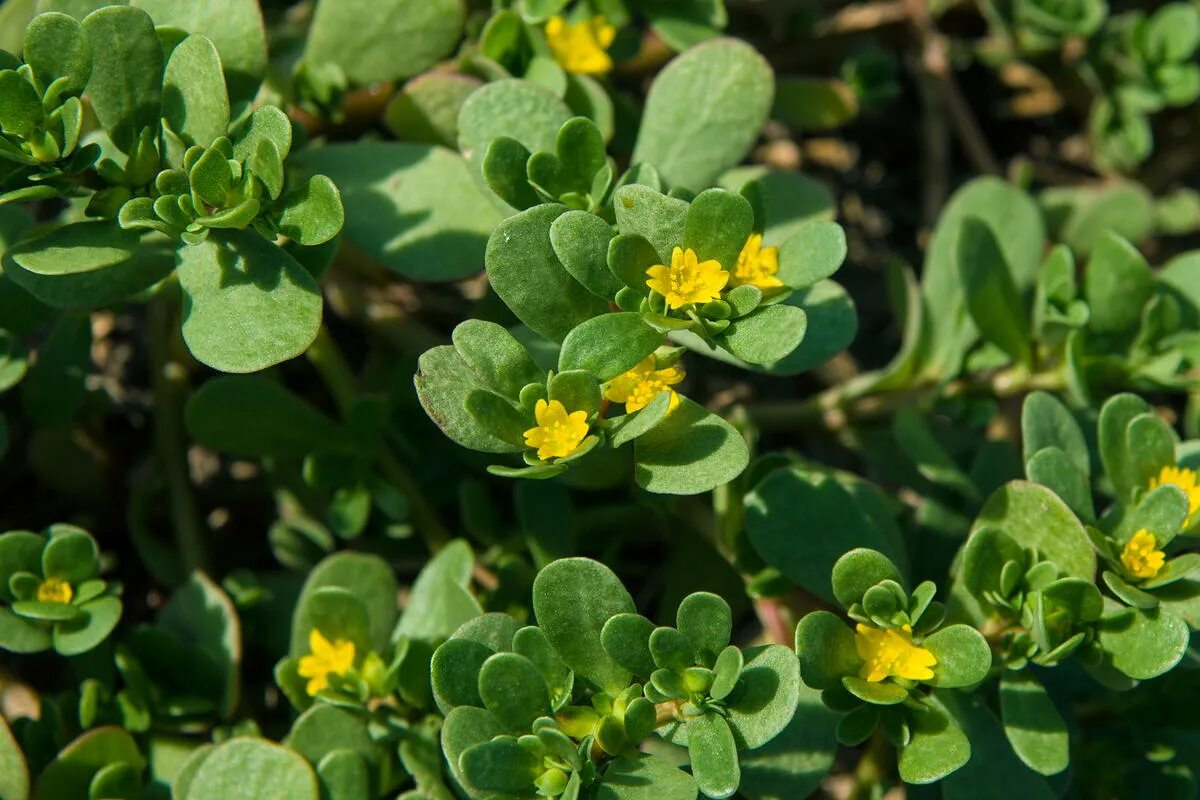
(1141, 555)
(687, 279)
(581, 47)
(890, 653)
(640, 385)
(558, 433)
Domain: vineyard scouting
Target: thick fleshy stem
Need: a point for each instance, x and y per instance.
(169, 385)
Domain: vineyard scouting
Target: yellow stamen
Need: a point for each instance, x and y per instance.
(1141, 555)
(637, 387)
(558, 433)
(687, 280)
(890, 653)
(55, 590)
(757, 265)
(326, 658)
(581, 47)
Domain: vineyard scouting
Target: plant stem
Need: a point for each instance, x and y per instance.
(935, 58)
(169, 385)
(872, 768)
(427, 520)
(327, 359)
(836, 408)
(331, 365)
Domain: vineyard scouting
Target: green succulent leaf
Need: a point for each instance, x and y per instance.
(703, 113)
(195, 101)
(525, 272)
(714, 756)
(512, 688)
(1032, 723)
(1036, 519)
(963, 656)
(645, 777)
(312, 214)
(252, 769)
(366, 53)
(938, 746)
(778, 512)
(765, 698)
(573, 598)
(412, 207)
(126, 83)
(691, 451)
(247, 303)
(608, 345)
(1142, 644)
(826, 650)
(991, 295)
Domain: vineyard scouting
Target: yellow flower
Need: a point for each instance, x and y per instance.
(55, 590)
(688, 280)
(890, 653)
(1185, 479)
(757, 265)
(581, 47)
(558, 433)
(326, 658)
(637, 387)
(1141, 555)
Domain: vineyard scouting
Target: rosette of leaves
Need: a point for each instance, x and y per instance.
(560, 709)
(1163, 47)
(897, 632)
(52, 592)
(1028, 578)
(179, 672)
(41, 115)
(485, 391)
(1028, 312)
(1149, 64)
(341, 634)
(1044, 24)
(181, 191)
(655, 232)
(373, 725)
(235, 184)
(1154, 498)
(577, 174)
(718, 699)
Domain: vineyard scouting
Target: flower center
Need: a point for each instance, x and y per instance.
(558, 433)
(326, 658)
(1141, 555)
(891, 653)
(687, 279)
(55, 590)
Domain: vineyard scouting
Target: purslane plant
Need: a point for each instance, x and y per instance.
(623, 274)
(177, 179)
(969, 571)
